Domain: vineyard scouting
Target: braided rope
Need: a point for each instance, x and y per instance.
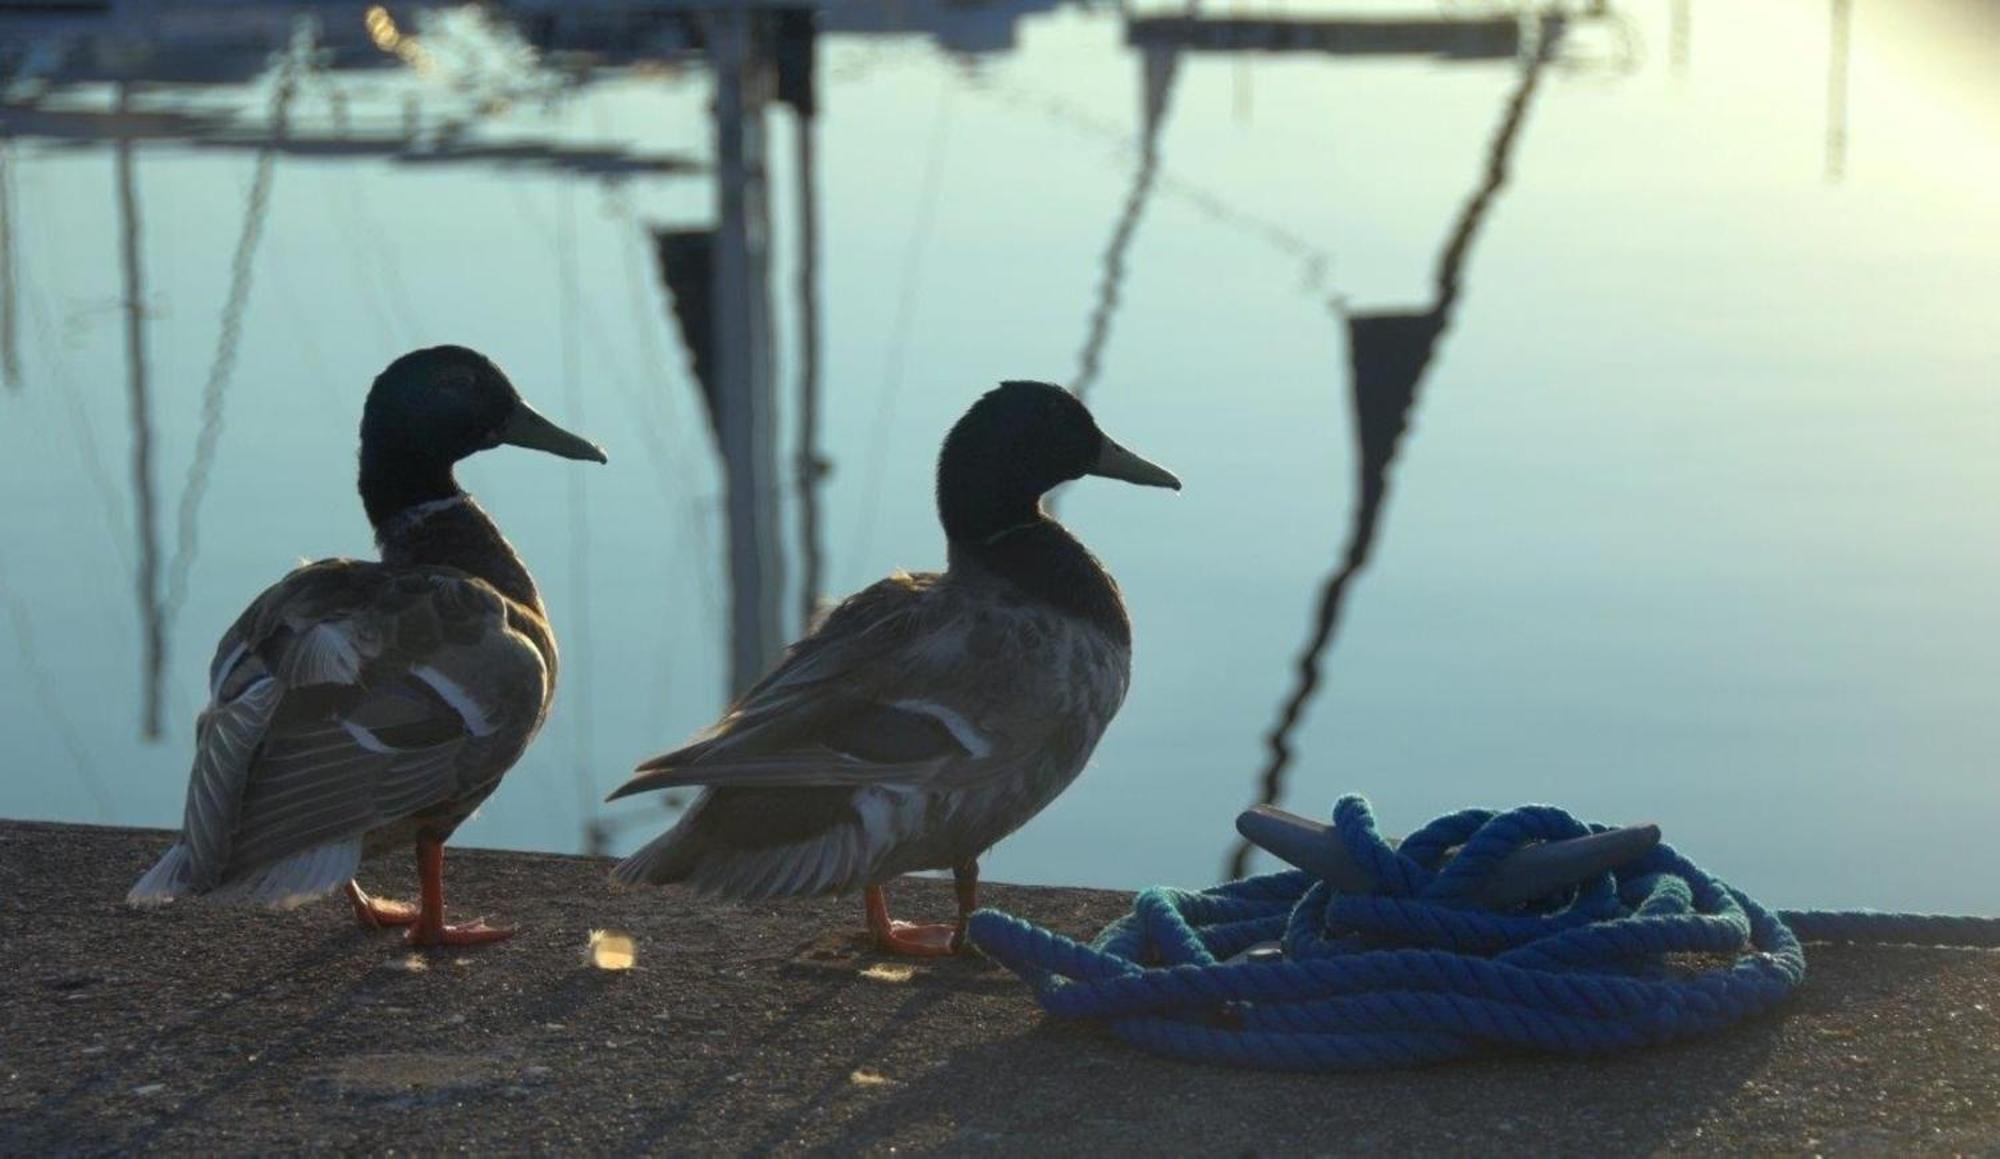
(1416, 973)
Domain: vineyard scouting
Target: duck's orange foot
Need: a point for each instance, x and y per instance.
(476, 933)
(909, 938)
(919, 941)
(378, 912)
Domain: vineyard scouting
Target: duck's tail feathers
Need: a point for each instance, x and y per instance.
(295, 880)
(171, 877)
(665, 859)
(835, 862)
(282, 884)
(651, 775)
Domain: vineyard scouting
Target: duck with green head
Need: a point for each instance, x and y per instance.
(930, 715)
(360, 707)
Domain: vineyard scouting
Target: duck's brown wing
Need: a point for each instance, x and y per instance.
(906, 682)
(348, 696)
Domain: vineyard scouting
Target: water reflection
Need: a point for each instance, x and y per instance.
(1160, 64)
(828, 225)
(1388, 353)
(146, 577)
(1836, 88)
(10, 334)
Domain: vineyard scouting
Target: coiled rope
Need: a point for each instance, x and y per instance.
(1415, 973)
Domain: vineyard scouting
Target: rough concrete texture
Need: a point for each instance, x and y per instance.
(768, 1027)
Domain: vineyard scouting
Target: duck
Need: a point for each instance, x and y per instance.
(358, 707)
(931, 714)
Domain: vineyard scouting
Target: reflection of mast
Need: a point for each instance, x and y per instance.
(228, 337)
(745, 401)
(10, 348)
(1836, 90)
(1679, 23)
(794, 50)
(146, 581)
(1389, 353)
(1161, 66)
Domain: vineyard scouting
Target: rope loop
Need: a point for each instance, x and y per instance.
(1282, 971)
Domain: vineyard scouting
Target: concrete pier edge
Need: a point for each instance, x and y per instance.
(771, 1027)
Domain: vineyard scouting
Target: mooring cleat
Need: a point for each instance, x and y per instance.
(1531, 872)
(1305, 843)
(1548, 866)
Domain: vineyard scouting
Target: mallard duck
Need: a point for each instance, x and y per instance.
(358, 707)
(930, 715)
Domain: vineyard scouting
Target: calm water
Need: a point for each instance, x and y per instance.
(1688, 334)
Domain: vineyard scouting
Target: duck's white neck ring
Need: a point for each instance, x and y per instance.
(406, 519)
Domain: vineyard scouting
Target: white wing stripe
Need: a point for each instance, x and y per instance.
(960, 728)
(222, 671)
(364, 738)
(455, 695)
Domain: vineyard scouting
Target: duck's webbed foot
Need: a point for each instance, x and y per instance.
(379, 912)
(917, 940)
(924, 940)
(429, 928)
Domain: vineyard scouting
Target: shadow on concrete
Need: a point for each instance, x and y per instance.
(1074, 1086)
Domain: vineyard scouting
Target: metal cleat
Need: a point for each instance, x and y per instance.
(1532, 872)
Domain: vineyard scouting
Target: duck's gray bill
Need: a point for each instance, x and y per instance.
(527, 428)
(1115, 462)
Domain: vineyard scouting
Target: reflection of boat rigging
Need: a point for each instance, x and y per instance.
(1389, 352)
(10, 339)
(1842, 18)
(163, 96)
(1160, 66)
(228, 338)
(146, 576)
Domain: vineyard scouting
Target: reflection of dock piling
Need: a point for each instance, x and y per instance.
(146, 579)
(744, 395)
(1389, 353)
(718, 280)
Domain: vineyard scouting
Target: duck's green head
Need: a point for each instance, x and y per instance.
(1015, 443)
(432, 407)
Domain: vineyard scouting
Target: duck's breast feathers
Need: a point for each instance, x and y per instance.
(350, 695)
(917, 680)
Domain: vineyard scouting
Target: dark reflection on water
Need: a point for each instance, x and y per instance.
(826, 247)
(1388, 353)
(146, 577)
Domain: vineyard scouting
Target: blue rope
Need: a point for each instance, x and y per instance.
(1415, 973)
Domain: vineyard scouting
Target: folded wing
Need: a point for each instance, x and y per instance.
(348, 697)
(856, 703)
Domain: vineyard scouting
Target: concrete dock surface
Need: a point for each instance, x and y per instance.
(772, 1027)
